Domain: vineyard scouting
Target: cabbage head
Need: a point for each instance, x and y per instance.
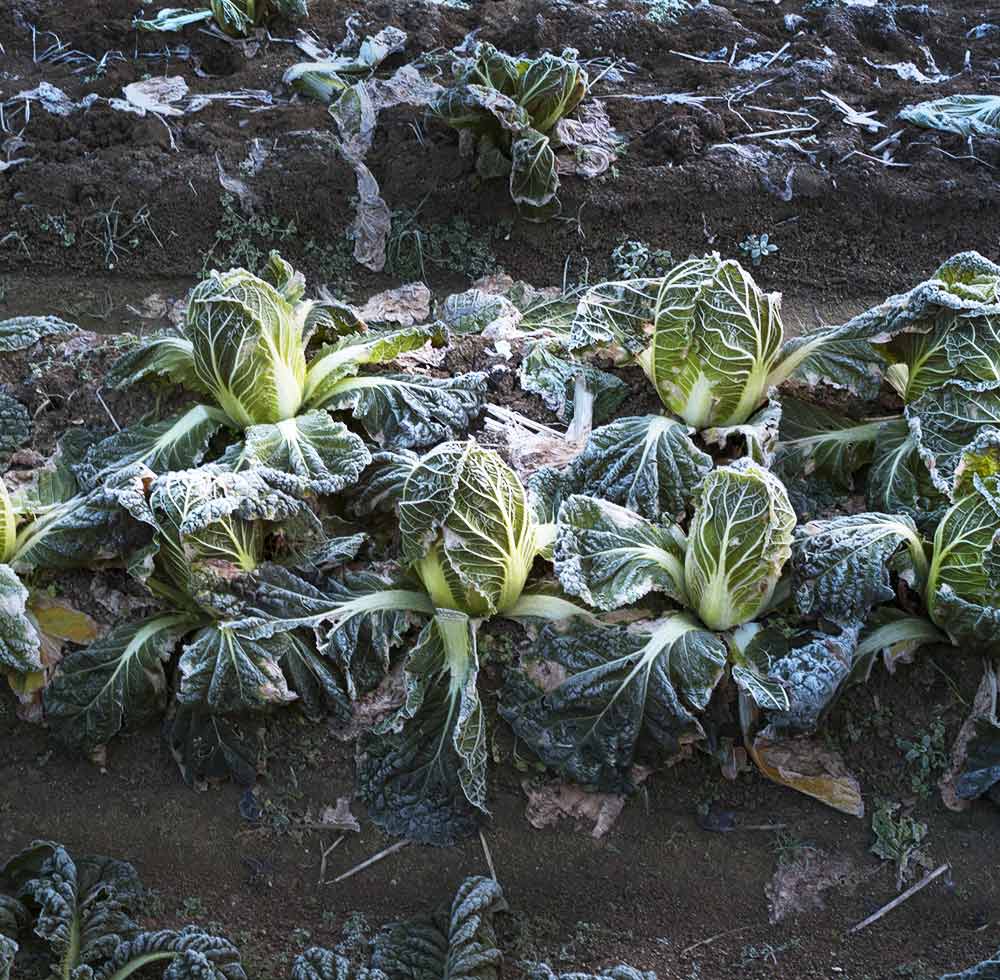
(963, 584)
(738, 543)
(467, 529)
(248, 346)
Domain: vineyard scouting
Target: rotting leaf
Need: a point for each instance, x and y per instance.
(808, 766)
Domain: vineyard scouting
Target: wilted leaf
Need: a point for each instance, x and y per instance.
(808, 766)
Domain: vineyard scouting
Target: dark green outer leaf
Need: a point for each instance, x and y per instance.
(20, 643)
(534, 180)
(14, 918)
(645, 463)
(616, 313)
(314, 679)
(357, 637)
(981, 771)
(611, 557)
(899, 482)
(544, 372)
(625, 695)
(155, 358)
(811, 666)
(117, 681)
(947, 420)
(209, 748)
(90, 527)
(229, 673)
(459, 944)
(310, 454)
(8, 950)
(841, 566)
(816, 440)
(15, 427)
(422, 772)
(83, 906)
(23, 331)
(381, 485)
(542, 971)
(173, 444)
(324, 964)
(196, 955)
(408, 411)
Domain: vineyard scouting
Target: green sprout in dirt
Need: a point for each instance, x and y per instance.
(898, 839)
(237, 18)
(758, 247)
(928, 757)
(635, 259)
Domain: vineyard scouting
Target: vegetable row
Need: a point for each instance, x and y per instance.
(312, 528)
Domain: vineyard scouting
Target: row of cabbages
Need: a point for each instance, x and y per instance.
(79, 914)
(676, 593)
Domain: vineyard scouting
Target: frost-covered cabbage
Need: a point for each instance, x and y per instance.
(725, 568)
(738, 543)
(467, 529)
(511, 106)
(245, 347)
(237, 18)
(709, 338)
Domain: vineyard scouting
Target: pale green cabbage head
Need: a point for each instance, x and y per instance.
(467, 529)
(738, 543)
(248, 346)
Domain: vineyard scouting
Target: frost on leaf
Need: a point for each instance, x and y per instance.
(458, 943)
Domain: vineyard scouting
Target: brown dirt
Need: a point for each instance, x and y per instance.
(853, 231)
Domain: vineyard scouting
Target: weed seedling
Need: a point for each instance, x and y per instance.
(928, 757)
(758, 247)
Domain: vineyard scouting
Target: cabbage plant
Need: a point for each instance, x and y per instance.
(510, 107)
(237, 18)
(84, 908)
(469, 539)
(842, 567)
(646, 684)
(210, 528)
(245, 349)
(938, 347)
(48, 524)
(707, 336)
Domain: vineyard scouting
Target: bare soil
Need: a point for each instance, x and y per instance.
(852, 232)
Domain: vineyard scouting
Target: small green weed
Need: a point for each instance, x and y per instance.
(898, 839)
(765, 952)
(59, 226)
(666, 11)
(758, 247)
(244, 240)
(192, 907)
(928, 758)
(415, 251)
(635, 259)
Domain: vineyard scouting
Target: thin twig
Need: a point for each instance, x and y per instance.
(881, 161)
(114, 421)
(489, 857)
(777, 54)
(774, 132)
(694, 57)
(899, 899)
(398, 846)
(326, 853)
(712, 939)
